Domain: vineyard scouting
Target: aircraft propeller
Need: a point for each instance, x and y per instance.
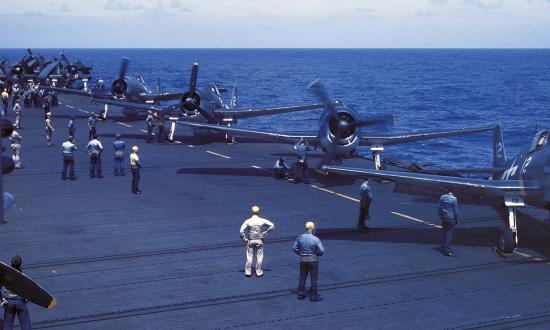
(343, 124)
(191, 100)
(119, 86)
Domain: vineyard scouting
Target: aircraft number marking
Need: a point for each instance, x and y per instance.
(499, 150)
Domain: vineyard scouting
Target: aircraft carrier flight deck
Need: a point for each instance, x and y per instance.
(172, 258)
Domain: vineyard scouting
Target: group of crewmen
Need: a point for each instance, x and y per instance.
(155, 120)
(308, 246)
(94, 148)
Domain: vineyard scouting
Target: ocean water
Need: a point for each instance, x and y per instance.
(424, 89)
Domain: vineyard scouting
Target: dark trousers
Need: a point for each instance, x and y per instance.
(161, 134)
(68, 164)
(71, 132)
(150, 133)
(311, 268)
(119, 170)
(16, 307)
(363, 212)
(447, 236)
(92, 133)
(5, 108)
(280, 173)
(95, 166)
(135, 179)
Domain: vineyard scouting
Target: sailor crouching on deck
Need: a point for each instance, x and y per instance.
(253, 231)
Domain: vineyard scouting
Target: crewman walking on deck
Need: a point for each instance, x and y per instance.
(151, 122)
(253, 232)
(15, 91)
(68, 148)
(448, 213)
(71, 126)
(92, 123)
(17, 110)
(95, 149)
(15, 139)
(119, 147)
(161, 129)
(14, 304)
(309, 248)
(45, 107)
(49, 128)
(364, 205)
(135, 165)
(5, 101)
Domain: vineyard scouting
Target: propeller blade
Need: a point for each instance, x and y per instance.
(123, 68)
(383, 120)
(194, 75)
(207, 115)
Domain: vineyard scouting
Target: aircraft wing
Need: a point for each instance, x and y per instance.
(139, 107)
(161, 96)
(265, 135)
(67, 90)
(421, 136)
(494, 187)
(247, 113)
(45, 72)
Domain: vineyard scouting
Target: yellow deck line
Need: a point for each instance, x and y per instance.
(124, 124)
(191, 146)
(217, 154)
(415, 219)
(256, 166)
(335, 193)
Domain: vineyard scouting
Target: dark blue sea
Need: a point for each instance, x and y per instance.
(423, 89)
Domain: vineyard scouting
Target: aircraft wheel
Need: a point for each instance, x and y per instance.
(506, 241)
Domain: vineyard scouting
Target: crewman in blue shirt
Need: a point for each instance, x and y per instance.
(14, 304)
(280, 170)
(68, 148)
(309, 248)
(151, 123)
(71, 126)
(364, 205)
(448, 213)
(92, 123)
(95, 149)
(119, 147)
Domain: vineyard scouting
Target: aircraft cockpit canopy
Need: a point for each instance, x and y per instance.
(540, 141)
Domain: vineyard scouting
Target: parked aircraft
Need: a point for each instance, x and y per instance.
(524, 179)
(339, 132)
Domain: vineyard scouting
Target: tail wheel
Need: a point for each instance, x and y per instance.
(507, 240)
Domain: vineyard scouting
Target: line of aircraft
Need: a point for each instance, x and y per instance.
(523, 179)
(58, 71)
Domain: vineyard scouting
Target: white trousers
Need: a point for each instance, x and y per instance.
(254, 246)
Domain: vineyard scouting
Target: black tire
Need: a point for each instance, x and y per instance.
(506, 241)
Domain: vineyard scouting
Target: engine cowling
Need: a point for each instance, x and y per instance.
(340, 138)
(119, 89)
(190, 103)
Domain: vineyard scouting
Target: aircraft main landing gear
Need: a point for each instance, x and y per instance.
(508, 236)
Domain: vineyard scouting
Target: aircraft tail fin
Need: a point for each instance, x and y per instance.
(499, 154)
(233, 103)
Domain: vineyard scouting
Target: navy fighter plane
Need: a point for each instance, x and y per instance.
(127, 88)
(206, 104)
(524, 179)
(339, 132)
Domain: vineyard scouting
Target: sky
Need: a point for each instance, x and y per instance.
(275, 23)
